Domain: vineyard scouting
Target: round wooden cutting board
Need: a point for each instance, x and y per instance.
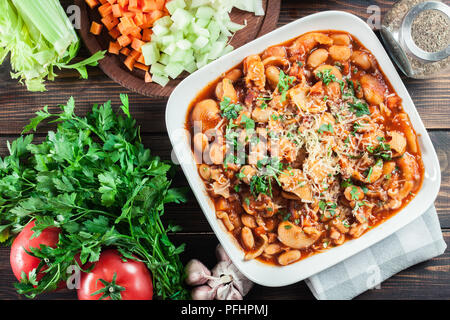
(112, 65)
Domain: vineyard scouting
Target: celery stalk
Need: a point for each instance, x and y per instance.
(39, 36)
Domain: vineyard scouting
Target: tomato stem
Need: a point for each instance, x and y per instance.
(110, 290)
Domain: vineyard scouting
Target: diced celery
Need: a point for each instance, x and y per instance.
(227, 49)
(170, 49)
(216, 50)
(224, 29)
(205, 49)
(165, 59)
(205, 12)
(184, 44)
(161, 80)
(157, 68)
(160, 30)
(191, 66)
(181, 18)
(173, 70)
(233, 27)
(191, 37)
(189, 56)
(202, 60)
(214, 30)
(150, 53)
(199, 30)
(167, 39)
(202, 22)
(179, 35)
(172, 5)
(163, 22)
(198, 3)
(245, 5)
(200, 42)
(178, 55)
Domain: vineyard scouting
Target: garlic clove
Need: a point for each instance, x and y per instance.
(203, 293)
(196, 273)
(221, 254)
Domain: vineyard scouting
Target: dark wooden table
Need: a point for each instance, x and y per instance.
(428, 280)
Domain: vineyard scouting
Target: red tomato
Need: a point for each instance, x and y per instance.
(133, 280)
(22, 261)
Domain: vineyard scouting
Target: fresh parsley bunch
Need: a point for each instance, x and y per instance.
(94, 179)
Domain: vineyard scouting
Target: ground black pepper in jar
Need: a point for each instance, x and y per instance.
(417, 35)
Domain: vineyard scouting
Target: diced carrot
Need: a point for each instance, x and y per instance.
(123, 3)
(92, 3)
(136, 32)
(148, 77)
(127, 22)
(105, 10)
(125, 51)
(114, 47)
(123, 30)
(129, 14)
(135, 54)
(129, 63)
(102, 1)
(147, 35)
(110, 21)
(132, 4)
(124, 40)
(136, 44)
(141, 59)
(154, 5)
(161, 4)
(139, 19)
(116, 11)
(147, 5)
(96, 28)
(115, 33)
(141, 66)
(111, 2)
(155, 15)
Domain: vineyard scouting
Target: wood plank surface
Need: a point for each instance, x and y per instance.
(428, 280)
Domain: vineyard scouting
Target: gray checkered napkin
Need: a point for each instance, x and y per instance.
(418, 241)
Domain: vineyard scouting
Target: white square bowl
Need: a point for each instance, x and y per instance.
(187, 90)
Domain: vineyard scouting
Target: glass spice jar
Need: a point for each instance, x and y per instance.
(417, 36)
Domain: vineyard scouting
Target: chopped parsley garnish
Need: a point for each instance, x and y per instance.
(326, 127)
(229, 110)
(354, 193)
(326, 76)
(359, 108)
(346, 183)
(284, 82)
(328, 206)
(248, 123)
(383, 150)
(260, 184)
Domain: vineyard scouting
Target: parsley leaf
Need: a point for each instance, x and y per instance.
(229, 110)
(284, 82)
(359, 108)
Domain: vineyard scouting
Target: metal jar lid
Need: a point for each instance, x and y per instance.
(406, 36)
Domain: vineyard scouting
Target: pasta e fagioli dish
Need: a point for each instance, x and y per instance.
(304, 147)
